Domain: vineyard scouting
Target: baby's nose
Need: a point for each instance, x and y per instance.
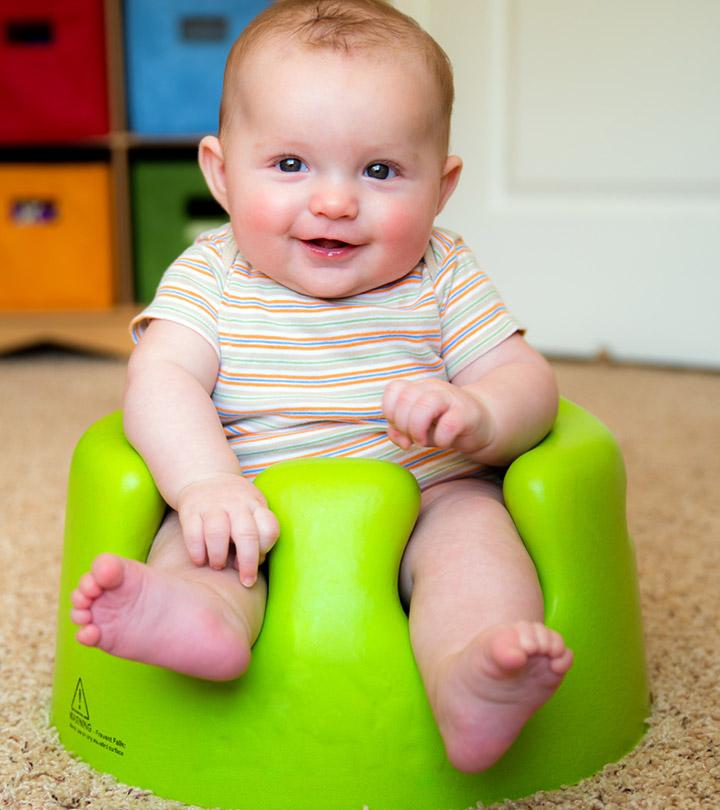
(334, 201)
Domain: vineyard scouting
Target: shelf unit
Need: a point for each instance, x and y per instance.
(103, 331)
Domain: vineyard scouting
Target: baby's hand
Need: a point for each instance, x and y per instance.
(222, 509)
(435, 413)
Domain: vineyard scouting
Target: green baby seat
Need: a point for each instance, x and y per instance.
(332, 713)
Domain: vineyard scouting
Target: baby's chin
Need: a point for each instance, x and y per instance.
(329, 271)
(330, 282)
(329, 291)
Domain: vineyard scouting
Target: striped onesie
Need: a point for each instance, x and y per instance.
(304, 377)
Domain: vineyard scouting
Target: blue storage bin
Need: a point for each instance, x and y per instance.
(175, 57)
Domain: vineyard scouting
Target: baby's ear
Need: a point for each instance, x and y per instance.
(449, 180)
(212, 165)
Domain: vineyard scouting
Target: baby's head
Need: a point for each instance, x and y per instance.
(370, 28)
(332, 154)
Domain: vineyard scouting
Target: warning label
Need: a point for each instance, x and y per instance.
(79, 704)
(80, 722)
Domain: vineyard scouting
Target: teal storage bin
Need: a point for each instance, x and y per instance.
(171, 205)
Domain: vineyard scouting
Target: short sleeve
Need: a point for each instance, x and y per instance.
(473, 316)
(190, 290)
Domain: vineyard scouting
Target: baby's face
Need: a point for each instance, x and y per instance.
(334, 169)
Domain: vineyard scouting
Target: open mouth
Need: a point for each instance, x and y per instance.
(329, 244)
(330, 247)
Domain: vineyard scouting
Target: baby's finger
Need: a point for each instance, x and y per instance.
(448, 427)
(426, 409)
(402, 403)
(396, 403)
(248, 559)
(268, 529)
(192, 529)
(390, 396)
(216, 533)
(400, 439)
(247, 549)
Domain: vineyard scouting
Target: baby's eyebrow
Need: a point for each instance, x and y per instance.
(281, 145)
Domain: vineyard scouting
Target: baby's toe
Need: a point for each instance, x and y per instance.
(89, 587)
(88, 635)
(80, 616)
(79, 600)
(529, 637)
(562, 663)
(108, 571)
(557, 645)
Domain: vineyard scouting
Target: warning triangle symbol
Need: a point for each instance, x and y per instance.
(79, 704)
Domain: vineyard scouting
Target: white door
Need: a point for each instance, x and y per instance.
(590, 131)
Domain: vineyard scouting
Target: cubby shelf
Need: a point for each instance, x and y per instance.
(97, 331)
(103, 330)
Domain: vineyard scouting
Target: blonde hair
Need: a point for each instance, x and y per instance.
(347, 26)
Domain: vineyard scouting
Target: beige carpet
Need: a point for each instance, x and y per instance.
(668, 424)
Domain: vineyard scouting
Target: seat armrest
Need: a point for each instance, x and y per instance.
(113, 504)
(567, 498)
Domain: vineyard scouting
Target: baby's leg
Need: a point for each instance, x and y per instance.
(476, 621)
(171, 613)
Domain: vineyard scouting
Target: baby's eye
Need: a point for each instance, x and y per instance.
(380, 171)
(291, 164)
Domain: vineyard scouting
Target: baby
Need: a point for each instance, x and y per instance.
(331, 318)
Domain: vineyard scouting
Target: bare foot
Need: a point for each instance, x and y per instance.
(145, 614)
(493, 686)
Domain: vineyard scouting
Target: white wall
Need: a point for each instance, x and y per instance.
(590, 131)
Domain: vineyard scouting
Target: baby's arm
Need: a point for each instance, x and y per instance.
(169, 417)
(496, 408)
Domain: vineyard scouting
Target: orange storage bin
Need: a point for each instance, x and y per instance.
(55, 236)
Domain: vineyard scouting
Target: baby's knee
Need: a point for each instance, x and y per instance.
(472, 494)
(168, 549)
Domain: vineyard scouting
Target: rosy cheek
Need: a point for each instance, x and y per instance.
(397, 223)
(405, 226)
(266, 213)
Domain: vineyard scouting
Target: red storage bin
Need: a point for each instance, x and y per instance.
(53, 76)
